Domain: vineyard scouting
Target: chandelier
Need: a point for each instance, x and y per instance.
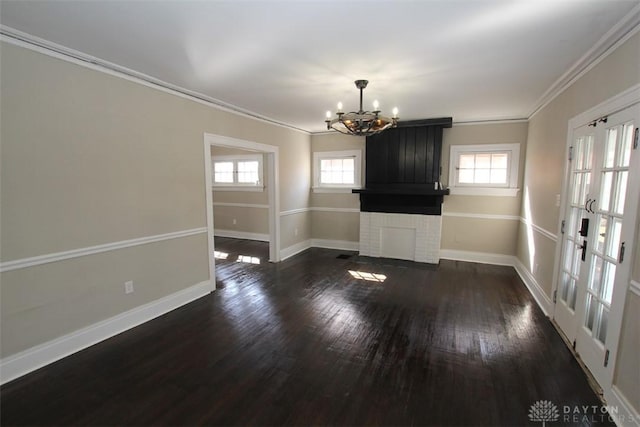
(361, 123)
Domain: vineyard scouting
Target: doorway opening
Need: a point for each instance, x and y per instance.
(270, 154)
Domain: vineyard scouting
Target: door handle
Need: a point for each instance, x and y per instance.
(591, 205)
(586, 205)
(584, 227)
(584, 250)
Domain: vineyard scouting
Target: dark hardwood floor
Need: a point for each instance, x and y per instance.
(304, 342)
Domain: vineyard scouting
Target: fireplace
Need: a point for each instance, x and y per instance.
(401, 203)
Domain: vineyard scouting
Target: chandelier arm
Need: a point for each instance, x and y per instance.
(361, 122)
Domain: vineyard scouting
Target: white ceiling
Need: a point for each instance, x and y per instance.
(291, 61)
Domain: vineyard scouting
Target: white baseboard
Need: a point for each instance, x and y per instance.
(241, 235)
(41, 355)
(294, 249)
(343, 245)
(479, 257)
(544, 302)
(626, 415)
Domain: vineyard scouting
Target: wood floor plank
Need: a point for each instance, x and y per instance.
(305, 342)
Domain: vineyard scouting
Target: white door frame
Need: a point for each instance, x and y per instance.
(271, 152)
(613, 105)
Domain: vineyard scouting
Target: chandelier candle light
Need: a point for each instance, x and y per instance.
(361, 123)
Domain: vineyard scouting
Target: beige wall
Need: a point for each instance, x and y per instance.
(485, 224)
(488, 236)
(627, 375)
(91, 159)
(545, 159)
(253, 220)
(338, 222)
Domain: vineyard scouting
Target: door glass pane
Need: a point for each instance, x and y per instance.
(579, 147)
(621, 192)
(591, 312)
(587, 186)
(577, 259)
(564, 289)
(615, 232)
(573, 290)
(577, 189)
(588, 152)
(625, 149)
(596, 274)
(610, 150)
(602, 234)
(569, 252)
(607, 281)
(573, 222)
(605, 193)
(604, 321)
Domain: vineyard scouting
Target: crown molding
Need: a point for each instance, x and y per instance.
(46, 47)
(490, 122)
(626, 28)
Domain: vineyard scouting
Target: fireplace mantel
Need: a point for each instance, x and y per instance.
(409, 200)
(407, 191)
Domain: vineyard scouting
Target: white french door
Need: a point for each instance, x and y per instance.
(599, 227)
(579, 186)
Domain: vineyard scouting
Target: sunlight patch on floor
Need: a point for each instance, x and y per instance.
(248, 259)
(371, 277)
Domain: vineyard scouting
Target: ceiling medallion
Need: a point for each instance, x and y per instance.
(361, 123)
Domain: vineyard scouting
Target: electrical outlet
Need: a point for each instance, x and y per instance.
(557, 200)
(128, 287)
(235, 221)
(536, 267)
(295, 232)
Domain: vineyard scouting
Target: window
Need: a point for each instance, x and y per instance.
(490, 170)
(233, 173)
(336, 171)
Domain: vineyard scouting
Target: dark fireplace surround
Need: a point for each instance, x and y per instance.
(403, 169)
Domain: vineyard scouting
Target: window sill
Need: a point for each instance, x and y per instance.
(484, 191)
(332, 189)
(238, 188)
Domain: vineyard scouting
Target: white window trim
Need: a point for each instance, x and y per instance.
(477, 190)
(336, 188)
(238, 186)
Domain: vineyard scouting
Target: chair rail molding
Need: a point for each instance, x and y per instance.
(90, 250)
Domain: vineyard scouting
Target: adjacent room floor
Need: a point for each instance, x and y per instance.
(324, 338)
